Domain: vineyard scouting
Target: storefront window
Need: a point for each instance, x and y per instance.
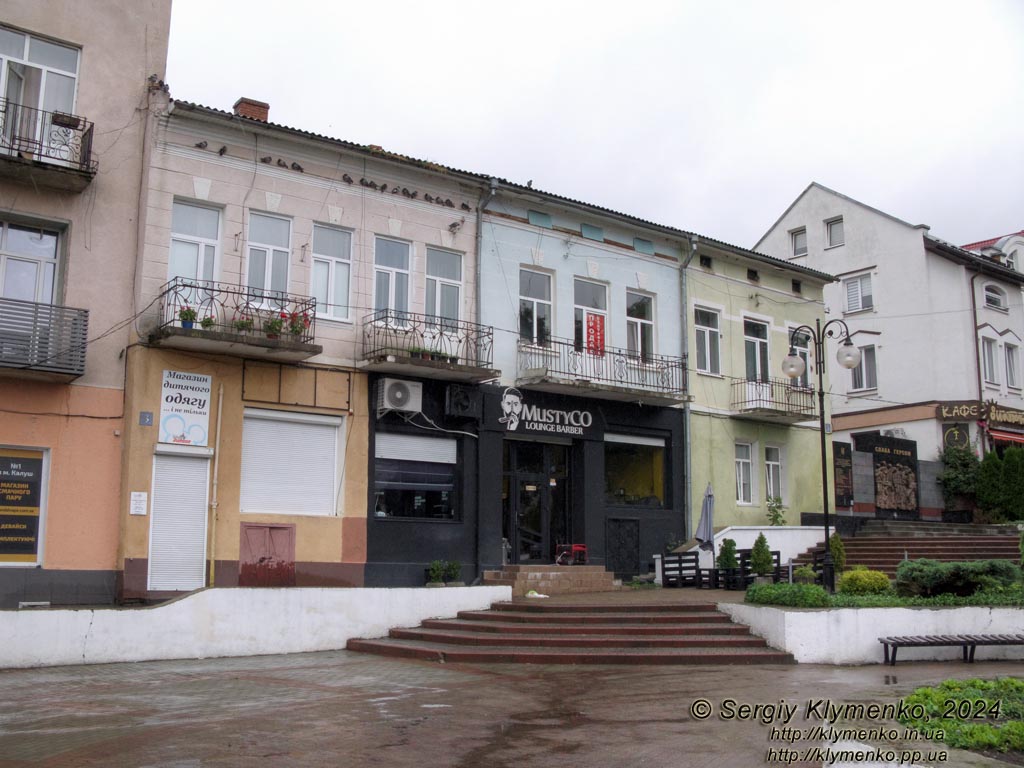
(415, 489)
(634, 472)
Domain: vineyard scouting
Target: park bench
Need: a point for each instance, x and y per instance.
(680, 569)
(968, 642)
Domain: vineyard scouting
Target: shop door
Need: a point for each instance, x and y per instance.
(536, 503)
(177, 532)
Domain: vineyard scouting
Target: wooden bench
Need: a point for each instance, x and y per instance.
(968, 642)
(680, 569)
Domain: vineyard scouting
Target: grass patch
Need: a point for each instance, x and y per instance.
(979, 715)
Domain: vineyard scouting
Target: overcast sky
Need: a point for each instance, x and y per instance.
(710, 116)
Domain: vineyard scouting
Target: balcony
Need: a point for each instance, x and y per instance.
(42, 341)
(773, 400)
(562, 366)
(218, 318)
(49, 149)
(425, 345)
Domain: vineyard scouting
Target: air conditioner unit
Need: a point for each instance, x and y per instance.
(399, 395)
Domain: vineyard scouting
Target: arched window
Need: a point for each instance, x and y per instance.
(1011, 260)
(995, 297)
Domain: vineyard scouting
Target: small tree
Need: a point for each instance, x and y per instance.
(761, 557)
(835, 545)
(1013, 483)
(959, 477)
(776, 512)
(989, 491)
(727, 555)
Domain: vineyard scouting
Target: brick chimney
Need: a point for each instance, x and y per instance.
(254, 110)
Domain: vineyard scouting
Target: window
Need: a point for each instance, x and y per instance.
(640, 325)
(773, 472)
(756, 350)
(415, 477)
(195, 235)
(995, 297)
(269, 253)
(705, 322)
(801, 343)
(1011, 259)
(592, 233)
(799, 242)
(797, 286)
(640, 245)
(753, 275)
(290, 463)
(834, 232)
(865, 375)
(28, 262)
(988, 360)
(391, 276)
(858, 293)
(634, 470)
(743, 490)
(538, 219)
(332, 271)
(705, 262)
(591, 312)
(444, 285)
(534, 307)
(1012, 358)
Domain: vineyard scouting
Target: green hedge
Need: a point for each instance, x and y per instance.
(864, 582)
(929, 577)
(795, 595)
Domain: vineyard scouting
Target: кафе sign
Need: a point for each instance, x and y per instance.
(991, 412)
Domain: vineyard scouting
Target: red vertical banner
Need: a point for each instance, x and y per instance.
(595, 334)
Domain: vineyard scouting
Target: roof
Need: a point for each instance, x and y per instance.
(988, 243)
(982, 264)
(486, 179)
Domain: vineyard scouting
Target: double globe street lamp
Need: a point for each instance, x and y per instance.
(794, 366)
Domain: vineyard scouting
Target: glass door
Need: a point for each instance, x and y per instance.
(536, 496)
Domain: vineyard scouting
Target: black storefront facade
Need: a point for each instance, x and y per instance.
(486, 475)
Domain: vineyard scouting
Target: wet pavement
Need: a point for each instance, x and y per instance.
(347, 709)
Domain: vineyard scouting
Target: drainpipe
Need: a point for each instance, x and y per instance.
(213, 493)
(684, 344)
(977, 346)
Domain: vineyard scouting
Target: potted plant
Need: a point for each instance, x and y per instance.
(435, 573)
(207, 322)
(273, 326)
(761, 560)
(453, 574)
(242, 324)
(187, 316)
(804, 575)
(727, 562)
(298, 322)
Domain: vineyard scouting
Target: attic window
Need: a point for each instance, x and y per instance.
(797, 287)
(753, 275)
(705, 262)
(592, 233)
(538, 219)
(643, 246)
(995, 297)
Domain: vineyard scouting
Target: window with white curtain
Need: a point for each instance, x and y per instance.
(744, 492)
(865, 375)
(28, 262)
(773, 471)
(332, 271)
(1012, 366)
(706, 323)
(640, 325)
(269, 254)
(391, 276)
(858, 293)
(195, 236)
(444, 286)
(989, 355)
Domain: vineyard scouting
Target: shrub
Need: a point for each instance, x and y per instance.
(804, 575)
(989, 491)
(835, 544)
(761, 561)
(999, 727)
(436, 570)
(928, 577)
(1013, 483)
(861, 581)
(776, 512)
(452, 570)
(959, 477)
(727, 555)
(795, 595)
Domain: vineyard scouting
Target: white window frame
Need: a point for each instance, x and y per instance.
(535, 339)
(995, 298)
(391, 273)
(853, 290)
(1012, 358)
(744, 473)
(711, 361)
(801, 344)
(829, 224)
(201, 242)
(1011, 260)
(636, 325)
(266, 293)
(762, 354)
(43, 264)
(989, 360)
(793, 241)
(334, 263)
(435, 286)
(585, 310)
(773, 477)
(868, 373)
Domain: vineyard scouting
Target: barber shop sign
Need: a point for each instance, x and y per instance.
(522, 414)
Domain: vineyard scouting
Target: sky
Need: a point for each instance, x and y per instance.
(708, 116)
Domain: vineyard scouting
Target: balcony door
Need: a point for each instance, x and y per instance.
(755, 345)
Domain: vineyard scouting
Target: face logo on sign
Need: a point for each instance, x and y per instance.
(511, 408)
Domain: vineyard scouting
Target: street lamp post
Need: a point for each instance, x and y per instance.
(794, 366)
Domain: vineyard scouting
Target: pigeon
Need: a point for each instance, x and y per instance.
(415, 194)
(266, 159)
(282, 163)
(406, 192)
(346, 178)
(428, 198)
(383, 187)
(395, 190)
(373, 185)
(222, 150)
(364, 182)
(448, 203)
(465, 207)
(201, 145)
(296, 167)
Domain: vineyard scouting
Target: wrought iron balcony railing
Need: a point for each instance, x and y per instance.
(776, 395)
(43, 337)
(562, 358)
(52, 137)
(391, 332)
(206, 305)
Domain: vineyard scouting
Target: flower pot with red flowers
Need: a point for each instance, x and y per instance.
(298, 323)
(187, 316)
(273, 326)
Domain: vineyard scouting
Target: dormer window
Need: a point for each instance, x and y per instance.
(1011, 260)
(995, 297)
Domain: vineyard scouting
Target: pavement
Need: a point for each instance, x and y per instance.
(342, 708)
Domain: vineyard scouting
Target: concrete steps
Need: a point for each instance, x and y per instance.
(552, 579)
(537, 632)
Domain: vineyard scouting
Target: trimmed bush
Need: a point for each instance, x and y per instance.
(835, 544)
(761, 557)
(1013, 483)
(794, 595)
(861, 581)
(435, 571)
(989, 485)
(804, 575)
(727, 555)
(929, 577)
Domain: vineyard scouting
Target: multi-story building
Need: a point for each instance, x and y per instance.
(75, 87)
(940, 332)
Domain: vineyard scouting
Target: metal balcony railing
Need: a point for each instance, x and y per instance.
(562, 358)
(206, 305)
(51, 137)
(391, 332)
(43, 337)
(777, 395)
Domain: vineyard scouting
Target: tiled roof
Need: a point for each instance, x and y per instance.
(986, 243)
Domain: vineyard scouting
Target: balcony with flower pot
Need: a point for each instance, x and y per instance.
(224, 319)
(43, 148)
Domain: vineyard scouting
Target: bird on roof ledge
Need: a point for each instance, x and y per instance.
(201, 144)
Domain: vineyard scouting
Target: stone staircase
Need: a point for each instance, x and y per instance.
(535, 631)
(882, 544)
(552, 579)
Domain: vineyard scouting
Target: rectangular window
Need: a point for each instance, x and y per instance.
(592, 233)
(834, 232)
(640, 325)
(640, 245)
(865, 375)
(743, 465)
(415, 477)
(755, 338)
(28, 263)
(634, 470)
(332, 271)
(591, 315)
(444, 285)
(195, 235)
(391, 276)
(799, 242)
(988, 359)
(705, 322)
(858, 293)
(534, 307)
(290, 463)
(538, 219)
(801, 346)
(1012, 358)
(773, 472)
(269, 253)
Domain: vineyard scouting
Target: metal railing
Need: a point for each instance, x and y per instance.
(43, 337)
(563, 358)
(779, 395)
(206, 305)
(389, 332)
(54, 137)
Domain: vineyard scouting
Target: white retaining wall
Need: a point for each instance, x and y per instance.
(227, 622)
(850, 635)
(790, 540)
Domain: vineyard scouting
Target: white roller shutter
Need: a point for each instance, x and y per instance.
(440, 450)
(289, 466)
(177, 534)
(609, 437)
